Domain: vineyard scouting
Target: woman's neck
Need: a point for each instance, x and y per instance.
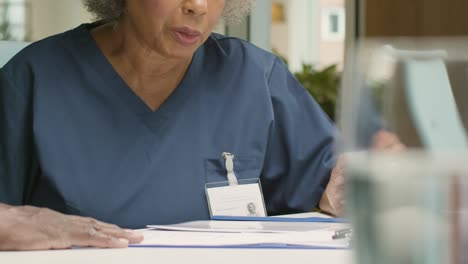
(132, 53)
(152, 76)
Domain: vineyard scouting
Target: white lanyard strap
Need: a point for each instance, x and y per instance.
(231, 176)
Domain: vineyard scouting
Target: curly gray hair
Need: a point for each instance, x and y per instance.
(110, 10)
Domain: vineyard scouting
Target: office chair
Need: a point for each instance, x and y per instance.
(8, 49)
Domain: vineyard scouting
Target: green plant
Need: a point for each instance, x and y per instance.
(322, 85)
(5, 32)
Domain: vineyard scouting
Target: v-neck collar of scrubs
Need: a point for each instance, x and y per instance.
(115, 83)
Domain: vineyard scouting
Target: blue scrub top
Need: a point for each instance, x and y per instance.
(75, 138)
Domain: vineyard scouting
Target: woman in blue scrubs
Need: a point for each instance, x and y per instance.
(124, 120)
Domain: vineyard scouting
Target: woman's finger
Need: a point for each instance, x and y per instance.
(90, 237)
(91, 232)
(130, 235)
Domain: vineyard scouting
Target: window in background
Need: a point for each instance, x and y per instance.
(333, 24)
(334, 18)
(12, 19)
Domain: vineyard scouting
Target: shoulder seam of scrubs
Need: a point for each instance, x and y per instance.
(271, 70)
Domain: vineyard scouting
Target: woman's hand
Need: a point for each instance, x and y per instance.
(333, 199)
(33, 228)
(387, 141)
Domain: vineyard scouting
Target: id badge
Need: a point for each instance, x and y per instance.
(233, 197)
(243, 199)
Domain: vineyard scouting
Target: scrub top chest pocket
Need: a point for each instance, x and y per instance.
(233, 186)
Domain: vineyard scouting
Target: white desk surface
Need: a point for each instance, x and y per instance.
(178, 255)
(182, 255)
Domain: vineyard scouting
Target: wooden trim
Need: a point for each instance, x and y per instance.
(416, 18)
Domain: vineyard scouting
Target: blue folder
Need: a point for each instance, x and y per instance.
(256, 246)
(279, 219)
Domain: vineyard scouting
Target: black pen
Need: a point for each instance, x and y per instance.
(341, 233)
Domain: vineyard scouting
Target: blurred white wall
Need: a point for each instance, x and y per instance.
(303, 35)
(260, 25)
(49, 17)
(280, 29)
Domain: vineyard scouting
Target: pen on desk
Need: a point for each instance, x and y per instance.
(342, 233)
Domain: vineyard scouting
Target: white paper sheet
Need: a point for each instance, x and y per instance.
(190, 239)
(254, 227)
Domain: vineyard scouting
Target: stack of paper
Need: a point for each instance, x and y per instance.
(277, 234)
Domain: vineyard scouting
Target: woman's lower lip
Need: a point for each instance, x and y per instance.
(185, 39)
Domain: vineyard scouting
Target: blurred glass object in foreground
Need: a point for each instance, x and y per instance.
(417, 89)
(407, 206)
